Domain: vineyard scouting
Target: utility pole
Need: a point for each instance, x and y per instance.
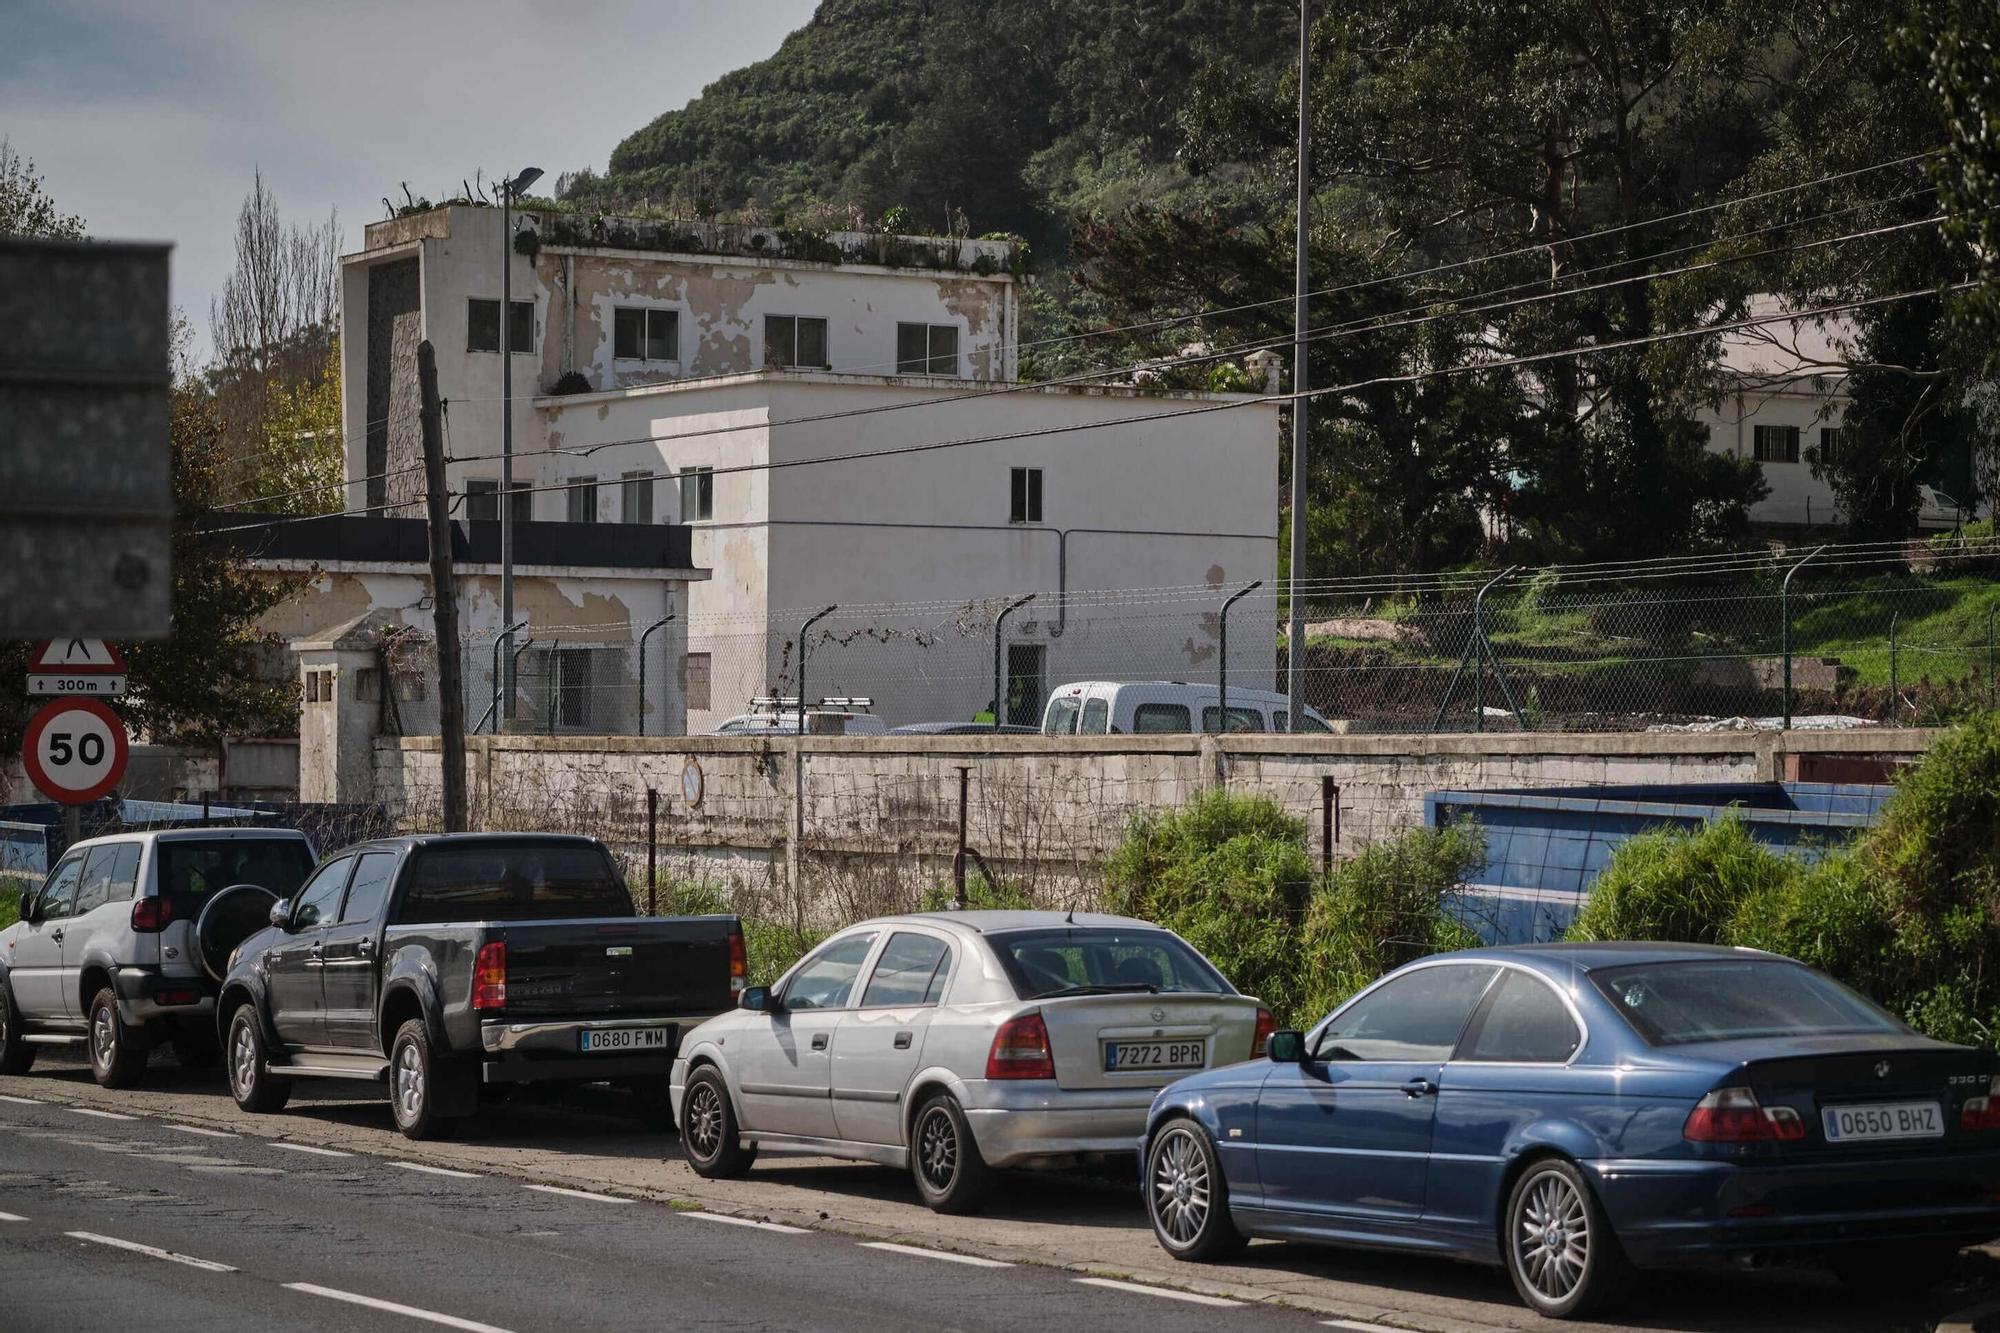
(1296, 634)
(509, 190)
(444, 593)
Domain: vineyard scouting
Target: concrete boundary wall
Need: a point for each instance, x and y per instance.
(840, 826)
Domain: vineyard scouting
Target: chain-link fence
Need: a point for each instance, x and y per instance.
(1884, 634)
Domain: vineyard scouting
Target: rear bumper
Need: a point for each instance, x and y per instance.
(551, 1052)
(146, 996)
(1017, 1123)
(1668, 1213)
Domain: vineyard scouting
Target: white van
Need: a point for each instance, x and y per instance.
(1113, 707)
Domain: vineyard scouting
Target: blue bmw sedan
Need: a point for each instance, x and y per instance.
(1576, 1111)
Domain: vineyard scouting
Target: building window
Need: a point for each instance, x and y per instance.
(583, 500)
(927, 349)
(794, 340)
(482, 326)
(572, 687)
(697, 494)
(368, 685)
(645, 335)
(637, 500)
(695, 668)
(319, 685)
(1776, 444)
(1830, 444)
(1027, 497)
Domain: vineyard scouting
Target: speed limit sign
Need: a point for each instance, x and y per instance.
(75, 750)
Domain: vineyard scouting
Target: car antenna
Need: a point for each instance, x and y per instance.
(1069, 918)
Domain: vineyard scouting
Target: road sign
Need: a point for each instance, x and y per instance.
(71, 657)
(75, 750)
(64, 685)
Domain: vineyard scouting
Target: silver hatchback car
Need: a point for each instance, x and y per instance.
(960, 1042)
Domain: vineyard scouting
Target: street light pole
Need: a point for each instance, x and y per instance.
(1296, 633)
(509, 190)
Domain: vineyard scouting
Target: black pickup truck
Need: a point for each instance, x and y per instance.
(447, 964)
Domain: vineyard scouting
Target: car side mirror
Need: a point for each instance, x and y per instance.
(34, 912)
(757, 998)
(281, 914)
(1287, 1047)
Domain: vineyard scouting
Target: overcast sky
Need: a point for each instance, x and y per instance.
(148, 116)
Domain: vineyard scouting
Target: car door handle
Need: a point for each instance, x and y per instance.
(366, 947)
(1419, 1087)
(902, 1041)
(56, 935)
(819, 1041)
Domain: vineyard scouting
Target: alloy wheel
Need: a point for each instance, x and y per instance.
(703, 1121)
(103, 1035)
(937, 1149)
(242, 1061)
(409, 1082)
(1180, 1186)
(1552, 1237)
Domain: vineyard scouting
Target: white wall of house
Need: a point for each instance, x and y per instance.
(1797, 496)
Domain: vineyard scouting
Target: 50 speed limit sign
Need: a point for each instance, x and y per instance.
(75, 750)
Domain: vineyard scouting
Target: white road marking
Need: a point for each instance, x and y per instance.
(205, 1133)
(21, 1101)
(436, 1170)
(1191, 1297)
(12, 1217)
(747, 1222)
(1358, 1326)
(234, 1169)
(102, 1115)
(205, 1265)
(408, 1311)
(578, 1194)
(308, 1148)
(971, 1261)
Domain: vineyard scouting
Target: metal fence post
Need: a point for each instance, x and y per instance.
(1895, 689)
(1992, 694)
(505, 635)
(958, 860)
(999, 668)
(1483, 650)
(642, 667)
(1785, 610)
(652, 851)
(811, 620)
(1222, 664)
(1329, 823)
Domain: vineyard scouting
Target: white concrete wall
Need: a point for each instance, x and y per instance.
(1797, 496)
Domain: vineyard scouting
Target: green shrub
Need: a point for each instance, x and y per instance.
(1230, 875)
(10, 901)
(1669, 884)
(1383, 908)
(981, 895)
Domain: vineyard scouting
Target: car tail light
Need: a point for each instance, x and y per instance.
(1982, 1113)
(1266, 1025)
(1021, 1049)
(168, 998)
(151, 915)
(489, 977)
(739, 964)
(1733, 1115)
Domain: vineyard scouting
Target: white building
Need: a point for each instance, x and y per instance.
(1786, 394)
(716, 373)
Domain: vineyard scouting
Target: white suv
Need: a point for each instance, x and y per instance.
(124, 944)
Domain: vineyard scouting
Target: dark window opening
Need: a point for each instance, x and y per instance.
(645, 335)
(1026, 496)
(795, 340)
(482, 326)
(927, 349)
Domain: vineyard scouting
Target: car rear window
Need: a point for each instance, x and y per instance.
(1726, 999)
(192, 868)
(512, 881)
(1083, 959)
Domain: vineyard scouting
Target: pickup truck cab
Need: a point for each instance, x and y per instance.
(121, 949)
(444, 964)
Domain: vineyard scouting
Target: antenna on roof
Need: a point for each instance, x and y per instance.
(1069, 918)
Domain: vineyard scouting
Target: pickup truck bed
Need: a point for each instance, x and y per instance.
(440, 964)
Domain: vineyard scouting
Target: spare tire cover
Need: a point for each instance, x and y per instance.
(229, 917)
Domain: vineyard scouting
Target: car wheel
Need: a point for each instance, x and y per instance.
(413, 1083)
(1187, 1197)
(251, 1082)
(651, 1101)
(1559, 1248)
(710, 1136)
(1882, 1272)
(951, 1175)
(114, 1061)
(17, 1055)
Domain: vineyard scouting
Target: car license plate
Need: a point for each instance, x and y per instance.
(1887, 1120)
(1119, 1055)
(627, 1039)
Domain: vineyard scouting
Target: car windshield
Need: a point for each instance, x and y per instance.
(523, 881)
(192, 868)
(1084, 960)
(1727, 999)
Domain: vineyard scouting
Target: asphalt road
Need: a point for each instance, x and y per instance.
(141, 1223)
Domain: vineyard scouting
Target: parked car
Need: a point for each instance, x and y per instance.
(1115, 707)
(1570, 1111)
(1938, 512)
(963, 729)
(825, 720)
(960, 1042)
(122, 947)
(445, 964)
